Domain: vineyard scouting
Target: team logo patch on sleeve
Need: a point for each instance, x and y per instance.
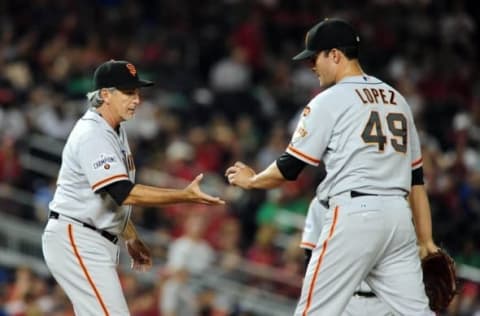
(300, 132)
(105, 161)
(306, 111)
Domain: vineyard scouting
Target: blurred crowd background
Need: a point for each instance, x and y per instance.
(226, 90)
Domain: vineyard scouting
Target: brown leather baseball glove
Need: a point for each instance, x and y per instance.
(440, 279)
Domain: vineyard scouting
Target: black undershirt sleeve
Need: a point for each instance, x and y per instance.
(289, 166)
(417, 176)
(308, 255)
(119, 190)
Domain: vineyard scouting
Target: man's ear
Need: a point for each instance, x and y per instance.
(337, 55)
(104, 94)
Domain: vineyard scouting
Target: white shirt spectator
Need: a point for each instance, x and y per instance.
(193, 255)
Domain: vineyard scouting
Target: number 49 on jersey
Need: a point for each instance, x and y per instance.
(373, 133)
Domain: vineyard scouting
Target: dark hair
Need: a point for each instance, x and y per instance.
(351, 52)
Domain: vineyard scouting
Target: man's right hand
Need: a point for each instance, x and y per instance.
(198, 196)
(240, 175)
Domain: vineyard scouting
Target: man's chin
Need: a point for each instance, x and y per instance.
(128, 117)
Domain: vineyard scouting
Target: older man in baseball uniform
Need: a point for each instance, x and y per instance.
(363, 130)
(364, 302)
(95, 194)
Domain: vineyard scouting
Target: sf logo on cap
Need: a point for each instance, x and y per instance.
(131, 68)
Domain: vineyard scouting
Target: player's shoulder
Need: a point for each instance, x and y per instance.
(329, 101)
(323, 98)
(89, 125)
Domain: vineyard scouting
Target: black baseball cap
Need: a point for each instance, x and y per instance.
(330, 33)
(118, 74)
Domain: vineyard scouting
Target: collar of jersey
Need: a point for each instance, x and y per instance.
(91, 114)
(359, 79)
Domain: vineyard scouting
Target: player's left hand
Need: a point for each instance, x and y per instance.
(240, 174)
(140, 254)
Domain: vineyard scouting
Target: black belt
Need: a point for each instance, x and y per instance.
(353, 194)
(364, 294)
(111, 237)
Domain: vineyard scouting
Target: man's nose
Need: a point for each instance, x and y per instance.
(136, 99)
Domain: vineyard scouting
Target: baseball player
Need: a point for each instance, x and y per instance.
(95, 194)
(363, 130)
(363, 302)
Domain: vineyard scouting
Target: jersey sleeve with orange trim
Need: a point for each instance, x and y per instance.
(312, 134)
(102, 163)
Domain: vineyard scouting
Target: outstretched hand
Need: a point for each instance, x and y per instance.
(140, 254)
(198, 196)
(240, 175)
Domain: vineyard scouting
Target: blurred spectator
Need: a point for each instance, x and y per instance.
(230, 79)
(262, 255)
(263, 251)
(291, 268)
(42, 195)
(179, 156)
(214, 145)
(20, 300)
(232, 74)
(142, 299)
(274, 146)
(10, 167)
(466, 300)
(470, 254)
(188, 256)
(247, 136)
(3, 292)
(227, 92)
(12, 121)
(147, 124)
(211, 302)
(285, 208)
(249, 37)
(227, 244)
(47, 115)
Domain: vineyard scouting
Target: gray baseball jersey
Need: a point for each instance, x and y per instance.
(363, 131)
(82, 261)
(355, 127)
(94, 156)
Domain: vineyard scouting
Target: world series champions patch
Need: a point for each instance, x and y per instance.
(105, 161)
